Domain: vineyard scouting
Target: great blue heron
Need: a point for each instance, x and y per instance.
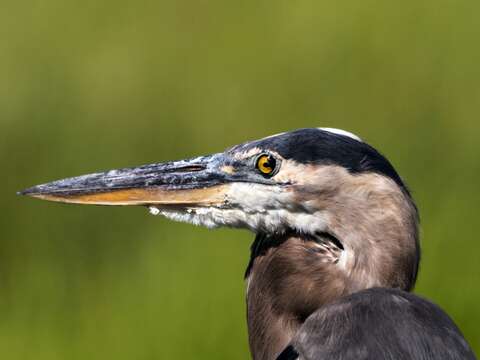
(336, 249)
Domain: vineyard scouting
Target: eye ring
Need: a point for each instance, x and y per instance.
(266, 164)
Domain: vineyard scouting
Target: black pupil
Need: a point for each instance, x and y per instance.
(269, 163)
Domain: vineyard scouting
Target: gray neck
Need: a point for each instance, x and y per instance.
(368, 238)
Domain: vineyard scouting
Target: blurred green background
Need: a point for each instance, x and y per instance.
(92, 85)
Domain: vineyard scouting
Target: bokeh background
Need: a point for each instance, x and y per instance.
(92, 85)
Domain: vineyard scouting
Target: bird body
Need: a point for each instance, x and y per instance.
(336, 248)
(378, 323)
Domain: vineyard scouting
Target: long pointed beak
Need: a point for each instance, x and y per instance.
(193, 182)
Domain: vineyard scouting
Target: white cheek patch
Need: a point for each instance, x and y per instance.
(196, 216)
(256, 198)
(342, 132)
(258, 208)
(201, 217)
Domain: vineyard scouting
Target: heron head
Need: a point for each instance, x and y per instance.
(306, 181)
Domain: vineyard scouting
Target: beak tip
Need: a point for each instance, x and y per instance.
(24, 192)
(31, 191)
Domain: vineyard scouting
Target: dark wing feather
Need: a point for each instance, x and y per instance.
(379, 324)
(288, 354)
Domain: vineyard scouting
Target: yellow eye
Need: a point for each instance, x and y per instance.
(266, 164)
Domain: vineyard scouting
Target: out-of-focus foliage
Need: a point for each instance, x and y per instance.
(91, 85)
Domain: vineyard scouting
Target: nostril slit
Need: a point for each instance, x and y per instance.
(188, 168)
